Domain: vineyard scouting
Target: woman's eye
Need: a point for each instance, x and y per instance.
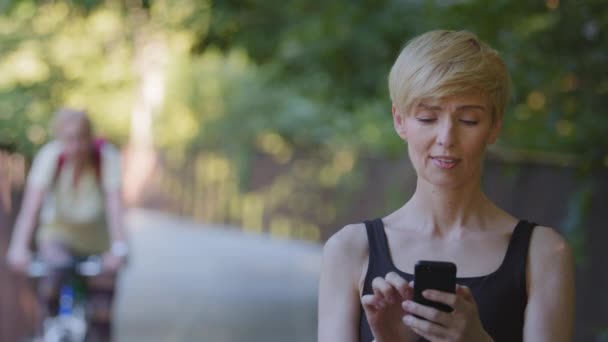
(469, 122)
(425, 120)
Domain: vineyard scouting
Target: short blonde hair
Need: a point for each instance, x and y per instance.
(444, 63)
(65, 115)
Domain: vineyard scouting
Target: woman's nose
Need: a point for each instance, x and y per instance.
(446, 135)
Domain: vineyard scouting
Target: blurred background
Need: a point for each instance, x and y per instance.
(252, 130)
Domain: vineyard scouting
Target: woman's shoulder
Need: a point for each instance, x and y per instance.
(346, 253)
(108, 148)
(110, 154)
(546, 241)
(549, 252)
(44, 165)
(348, 244)
(350, 237)
(50, 149)
(48, 154)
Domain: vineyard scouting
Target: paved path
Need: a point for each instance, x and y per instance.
(191, 282)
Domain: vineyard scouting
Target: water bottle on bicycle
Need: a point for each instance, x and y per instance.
(70, 321)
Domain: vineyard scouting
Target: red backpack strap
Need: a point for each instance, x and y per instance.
(59, 166)
(97, 157)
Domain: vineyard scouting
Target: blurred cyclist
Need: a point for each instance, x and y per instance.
(73, 196)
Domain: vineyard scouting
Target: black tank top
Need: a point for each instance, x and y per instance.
(501, 296)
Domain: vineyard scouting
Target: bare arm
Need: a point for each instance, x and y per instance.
(114, 215)
(339, 302)
(116, 257)
(39, 180)
(550, 310)
(27, 217)
(19, 254)
(114, 207)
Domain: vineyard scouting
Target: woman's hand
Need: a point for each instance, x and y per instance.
(112, 263)
(116, 257)
(462, 324)
(384, 309)
(18, 258)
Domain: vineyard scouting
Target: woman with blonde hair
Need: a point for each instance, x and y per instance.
(73, 206)
(515, 279)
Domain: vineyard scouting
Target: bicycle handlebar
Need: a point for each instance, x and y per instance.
(90, 267)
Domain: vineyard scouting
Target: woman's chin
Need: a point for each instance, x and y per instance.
(448, 181)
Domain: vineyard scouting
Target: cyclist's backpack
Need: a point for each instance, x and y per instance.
(97, 145)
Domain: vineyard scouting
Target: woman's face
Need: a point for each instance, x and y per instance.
(75, 140)
(447, 138)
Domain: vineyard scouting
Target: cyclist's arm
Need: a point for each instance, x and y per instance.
(39, 180)
(114, 214)
(27, 217)
(112, 179)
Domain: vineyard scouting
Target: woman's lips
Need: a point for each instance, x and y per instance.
(445, 162)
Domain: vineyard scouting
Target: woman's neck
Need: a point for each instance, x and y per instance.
(81, 163)
(442, 211)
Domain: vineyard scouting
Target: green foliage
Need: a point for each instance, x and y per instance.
(55, 55)
(342, 52)
(558, 65)
(256, 76)
(313, 72)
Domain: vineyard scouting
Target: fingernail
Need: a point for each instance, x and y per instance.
(407, 319)
(407, 304)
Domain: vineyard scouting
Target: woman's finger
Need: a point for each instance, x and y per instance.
(465, 300)
(446, 298)
(369, 303)
(399, 284)
(426, 312)
(464, 291)
(384, 290)
(426, 329)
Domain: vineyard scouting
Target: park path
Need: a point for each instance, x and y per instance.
(192, 282)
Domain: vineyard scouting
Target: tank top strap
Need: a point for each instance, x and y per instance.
(379, 256)
(517, 252)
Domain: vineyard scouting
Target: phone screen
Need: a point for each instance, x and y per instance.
(436, 275)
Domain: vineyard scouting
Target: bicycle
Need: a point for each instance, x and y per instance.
(70, 323)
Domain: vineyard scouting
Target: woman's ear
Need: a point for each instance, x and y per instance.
(399, 123)
(495, 131)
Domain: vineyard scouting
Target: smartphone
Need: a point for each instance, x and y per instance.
(435, 275)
